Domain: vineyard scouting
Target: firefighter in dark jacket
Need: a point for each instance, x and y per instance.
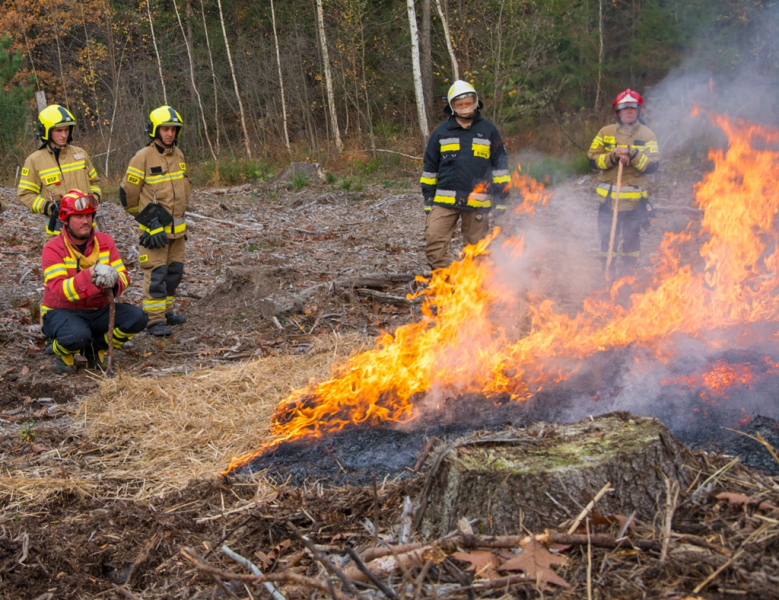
(78, 266)
(465, 174)
(156, 190)
(635, 145)
(56, 167)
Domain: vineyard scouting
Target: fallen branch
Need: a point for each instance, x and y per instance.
(369, 574)
(286, 576)
(272, 589)
(391, 152)
(586, 510)
(321, 558)
(224, 222)
(388, 298)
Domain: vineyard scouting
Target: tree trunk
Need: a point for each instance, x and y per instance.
(156, 52)
(600, 52)
(328, 76)
(447, 35)
(194, 83)
(547, 473)
(426, 60)
(213, 74)
(418, 93)
(235, 82)
(281, 79)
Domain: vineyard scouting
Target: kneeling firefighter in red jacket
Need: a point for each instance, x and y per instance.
(78, 267)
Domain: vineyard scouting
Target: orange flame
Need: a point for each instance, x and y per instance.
(477, 335)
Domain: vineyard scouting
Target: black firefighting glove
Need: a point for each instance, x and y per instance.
(155, 237)
(153, 220)
(645, 214)
(428, 205)
(52, 210)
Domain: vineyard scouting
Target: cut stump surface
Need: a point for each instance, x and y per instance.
(546, 474)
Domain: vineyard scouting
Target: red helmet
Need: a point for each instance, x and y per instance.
(77, 203)
(628, 99)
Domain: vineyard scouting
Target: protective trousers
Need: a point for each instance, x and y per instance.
(76, 330)
(163, 269)
(627, 239)
(440, 226)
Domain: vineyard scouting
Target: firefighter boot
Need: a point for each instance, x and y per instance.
(95, 360)
(65, 364)
(159, 328)
(173, 320)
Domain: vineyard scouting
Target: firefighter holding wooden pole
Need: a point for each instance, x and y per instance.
(624, 153)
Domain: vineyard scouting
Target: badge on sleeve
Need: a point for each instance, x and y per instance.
(25, 172)
(133, 179)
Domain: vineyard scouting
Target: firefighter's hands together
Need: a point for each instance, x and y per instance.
(104, 276)
(52, 209)
(155, 237)
(621, 154)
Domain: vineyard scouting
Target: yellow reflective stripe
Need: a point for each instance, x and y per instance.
(642, 162)
(117, 264)
(154, 305)
(598, 141)
(94, 189)
(472, 202)
(92, 173)
(51, 231)
(501, 179)
(444, 199)
(39, 204)
(450, 148)
(602, 161)
(500, 207)
(123, 277)
(54, 271)
(45, 172)
(169, 301)
(622, 194)
(70, 263)
(70, 290)
(44, 309)
(133, 210)
(176, 227)
(165, 177)
(29, 185)
(136, 172)
(428, 181)
(74, 166)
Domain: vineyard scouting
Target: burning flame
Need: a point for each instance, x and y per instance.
(478, 334)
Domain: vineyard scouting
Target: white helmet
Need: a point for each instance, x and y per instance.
(461, 89)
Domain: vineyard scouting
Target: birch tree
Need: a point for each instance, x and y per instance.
(194, 83)
(447, 35)
(235, 82)
(281, 79)
(418, 93)
(156, 52)
(213, 74)
(328, 76)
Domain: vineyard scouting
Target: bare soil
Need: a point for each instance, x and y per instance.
(266, 284)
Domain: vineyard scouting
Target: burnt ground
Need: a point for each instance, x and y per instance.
(262, 288)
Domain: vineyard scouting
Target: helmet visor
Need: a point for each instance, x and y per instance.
(627, 105)
(85, 202)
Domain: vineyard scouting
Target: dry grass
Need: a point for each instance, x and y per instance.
(149, 436)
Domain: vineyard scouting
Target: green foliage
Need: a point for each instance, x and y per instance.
(298, 181)
(27, 433)
(552, 170)
(329, 178)
(372, 166)
(14, 97)
(230, 172)
(352, 184)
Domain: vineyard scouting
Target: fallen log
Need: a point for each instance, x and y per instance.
(546, 474)
(388, 298)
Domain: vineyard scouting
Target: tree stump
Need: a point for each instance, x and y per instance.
(546, 474)
(312, 171)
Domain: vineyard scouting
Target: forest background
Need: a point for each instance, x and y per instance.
(547, 71)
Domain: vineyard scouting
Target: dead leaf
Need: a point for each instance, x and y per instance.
(536, 561)
(464, 526)
(25, 370)
(483, 563)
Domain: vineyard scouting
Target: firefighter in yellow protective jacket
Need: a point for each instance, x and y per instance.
(635, 145)
(155, 190)
(56, 167)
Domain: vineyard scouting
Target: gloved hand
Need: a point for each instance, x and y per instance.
(499, 212)
(51, 209)
(105, 276)
(428, 206)
(150, 240)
